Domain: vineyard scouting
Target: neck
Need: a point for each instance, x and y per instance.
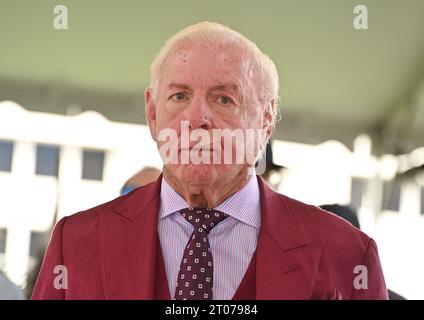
(210, 195)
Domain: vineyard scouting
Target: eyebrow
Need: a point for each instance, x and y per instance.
(230, 86)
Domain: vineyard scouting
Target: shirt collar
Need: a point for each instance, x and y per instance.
(170, 200)
(244, 205)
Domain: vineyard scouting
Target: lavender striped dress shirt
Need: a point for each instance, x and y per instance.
(233, 241)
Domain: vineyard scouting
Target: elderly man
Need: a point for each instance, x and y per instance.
(209, 228)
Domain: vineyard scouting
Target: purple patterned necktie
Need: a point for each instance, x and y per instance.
(195, 278)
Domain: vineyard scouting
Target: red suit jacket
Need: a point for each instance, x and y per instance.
(303, 252)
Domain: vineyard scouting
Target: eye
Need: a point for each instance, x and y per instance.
(224, 100)
(179, 96)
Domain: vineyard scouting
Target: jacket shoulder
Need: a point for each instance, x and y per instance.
(348, 253)
(324, 226)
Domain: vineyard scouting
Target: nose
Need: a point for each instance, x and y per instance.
(198, 114)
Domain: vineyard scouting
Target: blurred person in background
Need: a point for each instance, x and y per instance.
(141, 178)
(273, 172)
(345, 212)
(207, 231)
(33, 273)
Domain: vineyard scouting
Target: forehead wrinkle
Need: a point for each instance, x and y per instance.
(230, 86)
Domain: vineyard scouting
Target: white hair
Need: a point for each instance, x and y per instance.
(211, 34)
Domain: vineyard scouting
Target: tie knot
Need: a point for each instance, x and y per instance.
(203, 218)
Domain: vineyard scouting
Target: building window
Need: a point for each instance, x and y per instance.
(92, 164)
(47, 162)
(37, 243)
(3, 234)
(391, 195)
(6, 153)
(357, 190)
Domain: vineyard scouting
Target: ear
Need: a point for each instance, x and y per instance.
(150, 104)
(270, 110)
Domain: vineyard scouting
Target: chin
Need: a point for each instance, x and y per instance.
(198, 174)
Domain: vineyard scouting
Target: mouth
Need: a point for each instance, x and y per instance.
(198, 154)
(196, 147)
(202, 152)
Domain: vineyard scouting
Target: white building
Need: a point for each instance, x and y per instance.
(60, 164)
(53, 165)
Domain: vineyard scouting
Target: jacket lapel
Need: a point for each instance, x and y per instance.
(129, 240)
(287, 263)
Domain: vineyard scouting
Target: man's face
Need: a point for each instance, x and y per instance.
(208, 89)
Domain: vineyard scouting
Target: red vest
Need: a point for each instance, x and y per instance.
(245, 291)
